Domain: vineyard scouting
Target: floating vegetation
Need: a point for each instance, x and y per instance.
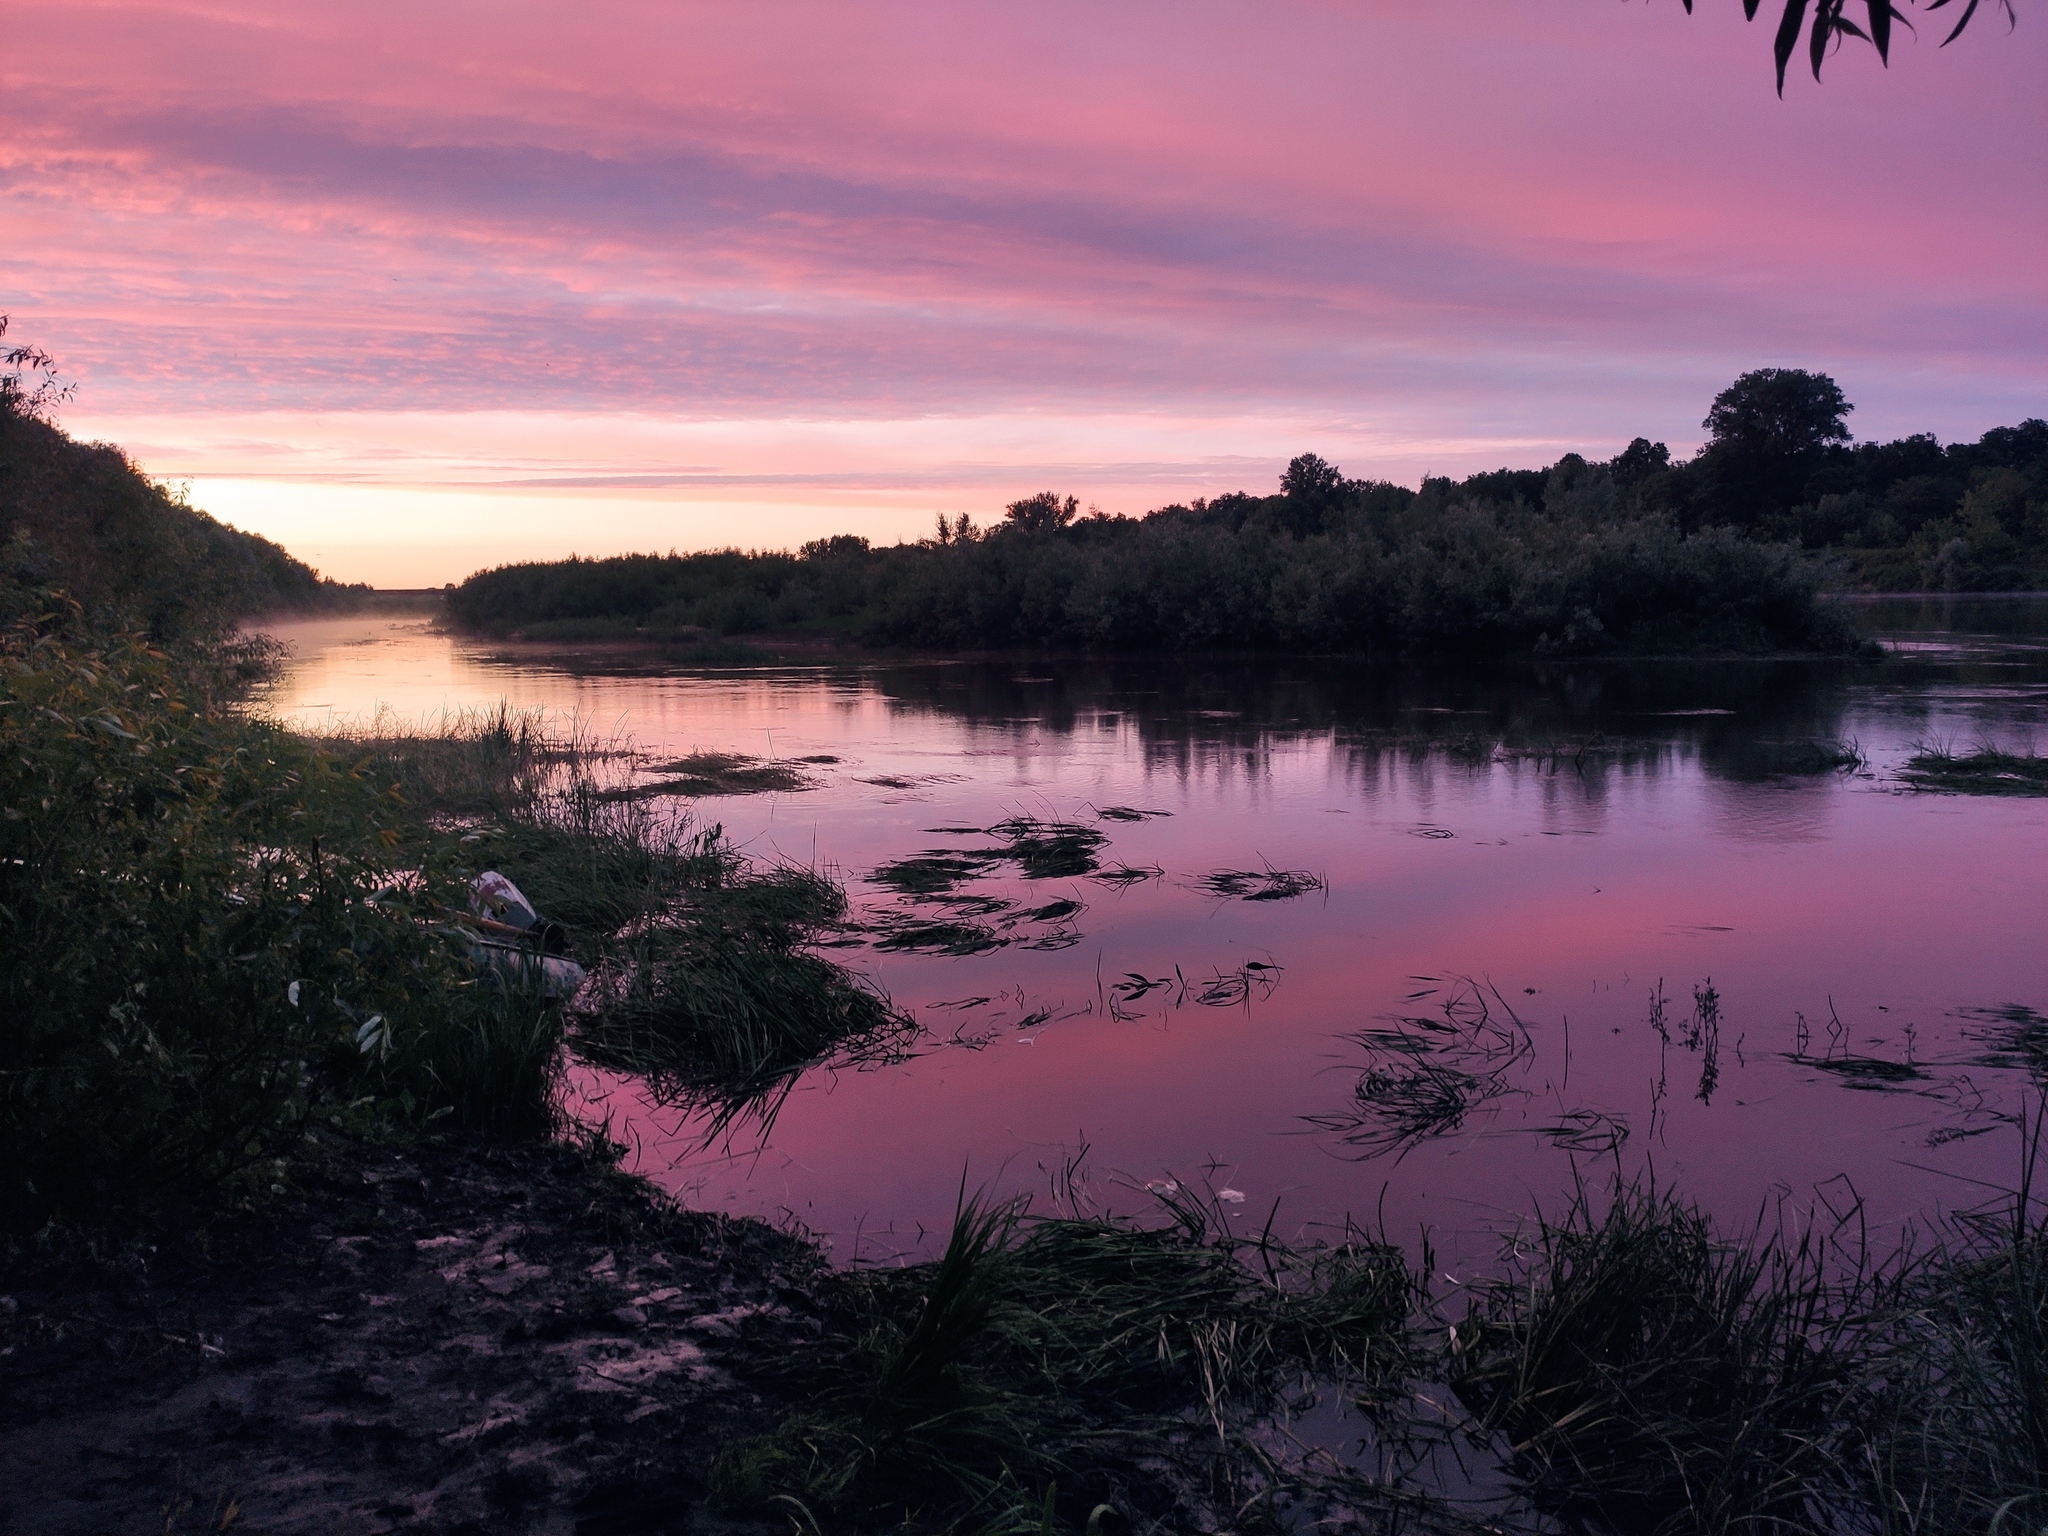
(1136, 987)
(1986, 771)
(717, 773)
(936, 871)
(1128, 874)
(1862, 1071)
(1128, 813)
(2017, 1036)
(938, 936)
(1054, 911)
(1233, 989)
(909, 780)
(1124, 1363)
(820, 758)
(1404, 1105)
(1427, 1076)
(1260, 884)
(1047, 850)
(1255, 980)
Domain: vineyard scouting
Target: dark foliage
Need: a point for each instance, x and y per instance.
(213, 930)
(1830, 24)
(82, 517)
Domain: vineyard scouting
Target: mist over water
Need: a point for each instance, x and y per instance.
(1521, 967)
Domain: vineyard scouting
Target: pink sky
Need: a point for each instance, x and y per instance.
(415, 289)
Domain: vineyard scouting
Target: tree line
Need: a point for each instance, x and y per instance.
(1638, 553)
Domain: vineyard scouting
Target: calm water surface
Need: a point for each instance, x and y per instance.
(1832, 952)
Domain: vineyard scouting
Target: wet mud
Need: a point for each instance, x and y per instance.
(440, 1339)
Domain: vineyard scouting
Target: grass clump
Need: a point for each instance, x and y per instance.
(1954, 1428)
(1112, 1361)
(716, 1000)
(935, 872)
(939, 936)
(1640, 1373)
(1986, 771)
(1048, 850)
(1646, 1376)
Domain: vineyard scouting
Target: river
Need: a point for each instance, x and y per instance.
(1514, 969)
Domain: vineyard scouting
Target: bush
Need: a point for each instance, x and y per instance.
(211, 929)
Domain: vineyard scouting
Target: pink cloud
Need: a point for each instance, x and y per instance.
(1493, 223)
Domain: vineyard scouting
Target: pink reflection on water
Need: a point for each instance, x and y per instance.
(1565, 896)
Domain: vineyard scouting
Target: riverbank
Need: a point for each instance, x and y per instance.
(424, 1334)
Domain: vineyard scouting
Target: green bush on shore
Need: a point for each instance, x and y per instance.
(212, 927)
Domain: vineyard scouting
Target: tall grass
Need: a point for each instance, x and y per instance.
(1643, 1373)
(1114, 1361)
(1640, 1373)
(1985, 770)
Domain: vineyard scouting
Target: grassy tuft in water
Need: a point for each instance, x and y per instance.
(1986, 771)
(1048, 850)
(719, 773)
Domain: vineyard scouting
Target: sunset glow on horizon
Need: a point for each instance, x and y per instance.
(418, 291)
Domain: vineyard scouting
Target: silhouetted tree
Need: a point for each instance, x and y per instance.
(1042, 513)
(1779, 412)
(1769, 431)
(1638, 461)
(1311, 487)
(1310, 478)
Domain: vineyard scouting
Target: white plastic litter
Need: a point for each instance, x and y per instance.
(491, 895)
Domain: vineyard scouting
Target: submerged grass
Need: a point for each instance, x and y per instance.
(2016, 1035)
(1048, 850)
(1115, 1362)
(1427, 1074)
(1774, 759)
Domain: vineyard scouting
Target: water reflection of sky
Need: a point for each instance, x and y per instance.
(1835, 919)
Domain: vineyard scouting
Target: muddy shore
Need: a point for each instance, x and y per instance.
(433, 1337)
